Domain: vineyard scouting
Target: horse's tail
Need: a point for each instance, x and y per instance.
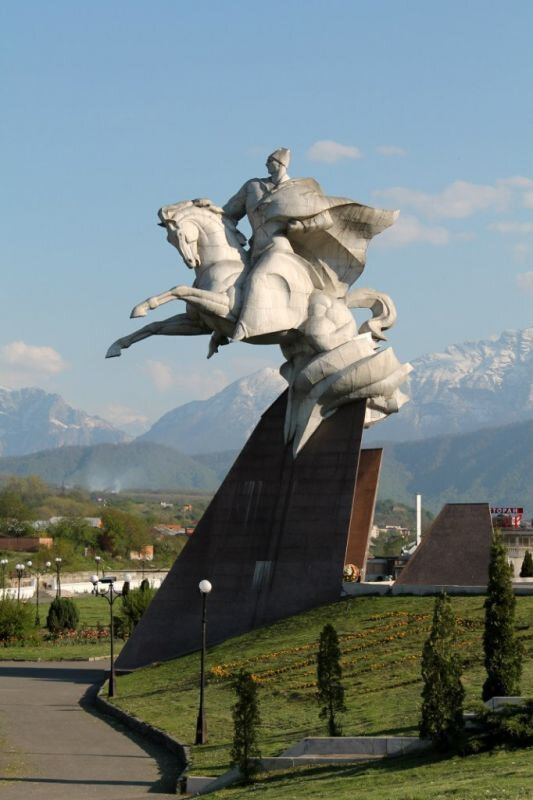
(382, 307)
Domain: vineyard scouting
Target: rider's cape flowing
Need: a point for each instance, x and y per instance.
(337, 230)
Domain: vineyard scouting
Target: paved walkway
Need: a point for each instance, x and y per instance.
(52, 748)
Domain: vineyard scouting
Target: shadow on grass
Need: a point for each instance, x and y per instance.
(377, 767)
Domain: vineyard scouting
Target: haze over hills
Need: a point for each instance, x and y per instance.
(137, 465)
(33, 420)
(490, 465)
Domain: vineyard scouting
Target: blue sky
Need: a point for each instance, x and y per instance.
(112, 109)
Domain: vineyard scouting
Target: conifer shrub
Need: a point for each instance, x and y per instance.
(443, 692)
(16, 622)
(62, 615)
(503, 649)
(509, 727)
(246, 721)
(134, 604)
(526, 570)
(330, 693)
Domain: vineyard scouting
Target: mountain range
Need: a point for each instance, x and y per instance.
(490, 465)
(32, 420)
(222, 422)
(465, 434)
(466, 387)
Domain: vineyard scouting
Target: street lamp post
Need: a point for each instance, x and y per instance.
(3, 564)
(58, 576)
(201, 723)
(38, 573)
(97, 560)
(110, 595)
(20, 572)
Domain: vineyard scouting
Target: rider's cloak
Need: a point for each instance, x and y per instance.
(336, 230)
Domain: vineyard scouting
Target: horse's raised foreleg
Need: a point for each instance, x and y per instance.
(216, 303)
(141, 309)
(180, 325)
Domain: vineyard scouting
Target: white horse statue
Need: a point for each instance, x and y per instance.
(212, 245)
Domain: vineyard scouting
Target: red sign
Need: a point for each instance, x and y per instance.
(507, 516)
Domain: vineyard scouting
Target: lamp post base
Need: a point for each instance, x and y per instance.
(201, 730)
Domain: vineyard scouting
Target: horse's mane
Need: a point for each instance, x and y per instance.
(235, 237)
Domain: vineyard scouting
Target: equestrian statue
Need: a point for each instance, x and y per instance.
(290, 285)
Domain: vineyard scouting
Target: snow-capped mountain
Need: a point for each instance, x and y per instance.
(32, 420)
(468, 386)
(222, 422)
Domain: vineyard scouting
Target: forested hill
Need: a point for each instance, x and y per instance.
(137, 465)
(490, 465)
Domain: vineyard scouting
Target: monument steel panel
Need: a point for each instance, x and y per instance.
(366, 489)
(272, 542)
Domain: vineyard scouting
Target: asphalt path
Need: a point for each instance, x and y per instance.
(53, 746)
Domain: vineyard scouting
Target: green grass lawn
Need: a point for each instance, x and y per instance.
(487, 776)
(381, 640)
(93, 611)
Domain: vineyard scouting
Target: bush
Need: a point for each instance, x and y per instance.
(246, 720)
(16, 621)
(330, 693)
(443, 692)
(503, 649)
(509, 727)
(134, 604)
(63, 615)
(526, 570)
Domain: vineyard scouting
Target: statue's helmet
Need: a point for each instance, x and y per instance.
(282, 155)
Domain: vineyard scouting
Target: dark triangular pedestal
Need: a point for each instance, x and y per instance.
(272, 542)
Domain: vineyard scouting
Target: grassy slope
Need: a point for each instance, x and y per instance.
(486, 776)
(381, 640)
(92, 610)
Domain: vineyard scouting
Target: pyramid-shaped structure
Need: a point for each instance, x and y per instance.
(455, 551)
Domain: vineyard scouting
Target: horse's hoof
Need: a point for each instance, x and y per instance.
(138, 311)
(114, 351)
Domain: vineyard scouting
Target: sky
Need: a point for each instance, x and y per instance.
(112, 109)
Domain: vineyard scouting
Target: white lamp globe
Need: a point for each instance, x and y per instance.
(204, 586)
(127, 578)
(94, 579)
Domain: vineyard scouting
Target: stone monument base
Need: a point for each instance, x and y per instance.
(273, 541)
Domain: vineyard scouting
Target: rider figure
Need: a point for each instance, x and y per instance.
(249, 201)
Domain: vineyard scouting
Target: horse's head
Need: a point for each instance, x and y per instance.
(191, 224)
(183, 231)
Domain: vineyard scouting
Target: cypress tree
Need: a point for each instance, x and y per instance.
(526, 570)
(330, 693)
(443, 692)
(246, 720)
(503, 650)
